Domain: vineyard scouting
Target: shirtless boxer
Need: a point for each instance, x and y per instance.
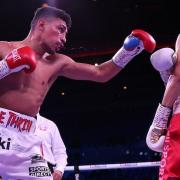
(27, 71)
(159, 138)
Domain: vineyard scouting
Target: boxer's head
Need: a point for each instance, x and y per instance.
(51, 26)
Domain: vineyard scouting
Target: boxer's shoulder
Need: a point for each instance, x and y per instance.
(7, 46)
(58, 61)
(57, 57)
(11, 44)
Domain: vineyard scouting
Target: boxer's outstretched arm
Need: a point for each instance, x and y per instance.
(134, 44)
(83, 71)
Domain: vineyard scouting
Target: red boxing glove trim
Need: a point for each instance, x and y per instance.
(148, 41)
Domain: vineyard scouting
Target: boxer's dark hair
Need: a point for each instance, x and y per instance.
(48, 12)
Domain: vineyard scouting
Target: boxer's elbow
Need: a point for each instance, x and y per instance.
(104, 75)
(175, 79)
(176, 71)
(103, 78)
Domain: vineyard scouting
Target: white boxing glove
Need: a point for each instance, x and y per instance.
(157, 131)
(163, 61)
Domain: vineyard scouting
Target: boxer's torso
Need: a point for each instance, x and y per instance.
(24, 93)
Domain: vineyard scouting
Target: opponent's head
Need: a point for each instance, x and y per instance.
(52, 25)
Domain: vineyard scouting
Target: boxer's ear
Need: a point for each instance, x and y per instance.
(41, 24)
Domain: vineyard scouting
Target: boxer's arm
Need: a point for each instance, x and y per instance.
(57, 175)
(177, 46)
(172, 90)
(83, 71)
(59, 151)
(163, 61)
(156, 134)
(57, 147)
(137, 41)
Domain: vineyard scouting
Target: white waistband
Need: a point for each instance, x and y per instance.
(16, 121)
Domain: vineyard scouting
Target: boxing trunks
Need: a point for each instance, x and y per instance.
(170, 161)
(21, 153)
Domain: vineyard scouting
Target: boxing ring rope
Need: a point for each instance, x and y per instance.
(77, 169)
(113, 166)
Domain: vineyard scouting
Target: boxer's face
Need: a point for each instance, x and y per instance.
(54, 35)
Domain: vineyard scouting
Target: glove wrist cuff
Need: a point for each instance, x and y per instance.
(162, 116)
(4, 69)
(123, 56)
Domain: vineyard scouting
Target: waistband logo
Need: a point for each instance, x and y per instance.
(5, 144)
(15, 121)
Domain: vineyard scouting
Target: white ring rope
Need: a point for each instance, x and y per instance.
(114, 166)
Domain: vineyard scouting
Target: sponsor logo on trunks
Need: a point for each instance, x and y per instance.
(39, 171)
(164, 157)
(37, 158)
(5, 143)
(19, 123)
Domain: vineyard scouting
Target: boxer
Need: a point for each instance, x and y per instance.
(168, 143)
(23, 93)
(163, 60)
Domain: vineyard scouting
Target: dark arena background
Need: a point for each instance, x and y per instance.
(103, 123)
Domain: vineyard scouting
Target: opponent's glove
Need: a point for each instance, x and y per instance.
(133, 45)
(18, 59)
(163, 61)
(157, 131)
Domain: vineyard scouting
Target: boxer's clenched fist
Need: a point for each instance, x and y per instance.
(157, 131)
(18, 59)
(134, 44)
